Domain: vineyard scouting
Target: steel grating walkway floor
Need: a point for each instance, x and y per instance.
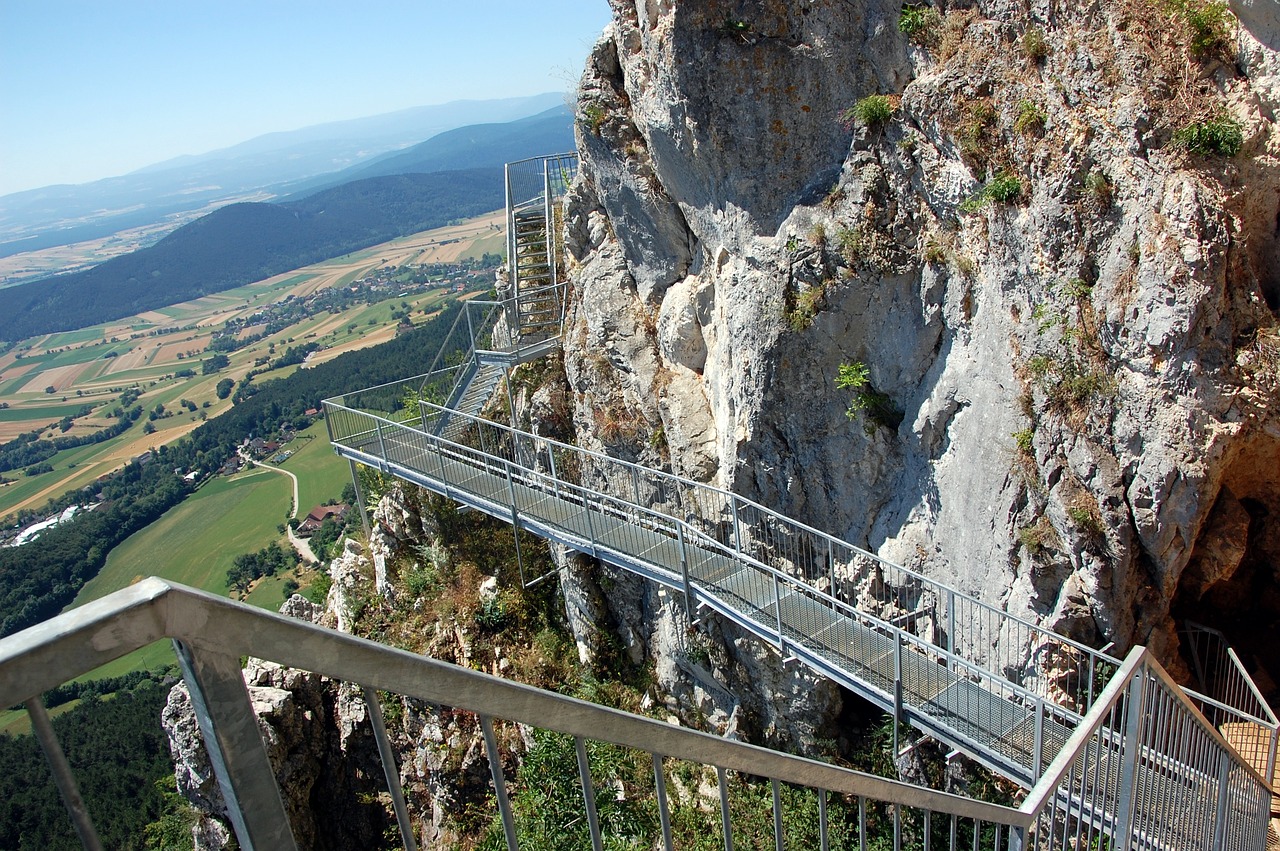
(946, 702)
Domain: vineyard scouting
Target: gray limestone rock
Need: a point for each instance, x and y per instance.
(1116, 316)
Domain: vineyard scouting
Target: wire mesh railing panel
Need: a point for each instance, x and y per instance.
(1036, 659)
(1146, 770)
(500, 466)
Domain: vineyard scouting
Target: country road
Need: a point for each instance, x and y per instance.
(300, 544)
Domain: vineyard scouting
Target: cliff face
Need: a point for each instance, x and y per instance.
(1053, 301)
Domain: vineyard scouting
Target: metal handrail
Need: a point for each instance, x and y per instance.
(1142, 737)
(211, 633)
(1231, 692)
(767, 624)
(736, 507)
(1233, 699)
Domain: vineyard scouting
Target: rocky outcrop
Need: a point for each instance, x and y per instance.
(319, 744)
(1065, 311)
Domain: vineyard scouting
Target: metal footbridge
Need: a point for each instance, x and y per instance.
(1002, 690)
(1111, 753)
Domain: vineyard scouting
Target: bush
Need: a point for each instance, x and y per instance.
(318, 591)
(1004, 188)
(1034, 45)
(871, 111)
(595, 116)
(1222, 136)
(1023, 440)
(920, 24)
(877, 407)
(979, 118)
(1030, 118)
(1208, 22)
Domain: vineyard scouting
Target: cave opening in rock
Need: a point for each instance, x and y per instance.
(1232, 582)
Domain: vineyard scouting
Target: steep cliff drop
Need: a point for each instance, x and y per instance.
(989, 288)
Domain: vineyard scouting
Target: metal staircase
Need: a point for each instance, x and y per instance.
(1034, 706)
(524, 324)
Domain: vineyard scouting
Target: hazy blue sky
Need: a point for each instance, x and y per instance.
(96, 88)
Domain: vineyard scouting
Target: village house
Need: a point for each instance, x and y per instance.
(316, 516)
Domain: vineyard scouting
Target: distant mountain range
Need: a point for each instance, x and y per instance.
(269, 166)
(475, 146)
(241, 243)
(454, 175)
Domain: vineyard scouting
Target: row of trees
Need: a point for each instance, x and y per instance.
(28, 449)
(267, 561)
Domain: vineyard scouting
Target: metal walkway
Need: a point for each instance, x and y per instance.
(1020, 699)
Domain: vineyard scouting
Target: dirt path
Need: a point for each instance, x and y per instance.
(300, 544)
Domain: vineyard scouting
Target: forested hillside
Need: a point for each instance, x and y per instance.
(242, 243)
(121, 759)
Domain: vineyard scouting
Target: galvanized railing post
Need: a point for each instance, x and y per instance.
(777, 611)
(591, 526)
(588, 794)
(1132, 746)
(1271, 759)
(515, 522)
(777, 814)
(382, 445)
(439, 453)
(1224, 796)
(511, 225)
(897, 689)
(555, 477)
(664, 813)
(831, 566)
(684, 572)
(239, 759)
(390, 769)
(725, 827)
(499, 782)
(823, 837)
(951, 623)
(737, 532)
(1037, 756)
(360, 499)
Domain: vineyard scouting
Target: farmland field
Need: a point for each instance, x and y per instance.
(91, 367)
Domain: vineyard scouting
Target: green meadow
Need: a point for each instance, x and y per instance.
(195, 542)
(321, 473)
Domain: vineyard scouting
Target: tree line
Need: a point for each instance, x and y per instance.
(28, 449)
